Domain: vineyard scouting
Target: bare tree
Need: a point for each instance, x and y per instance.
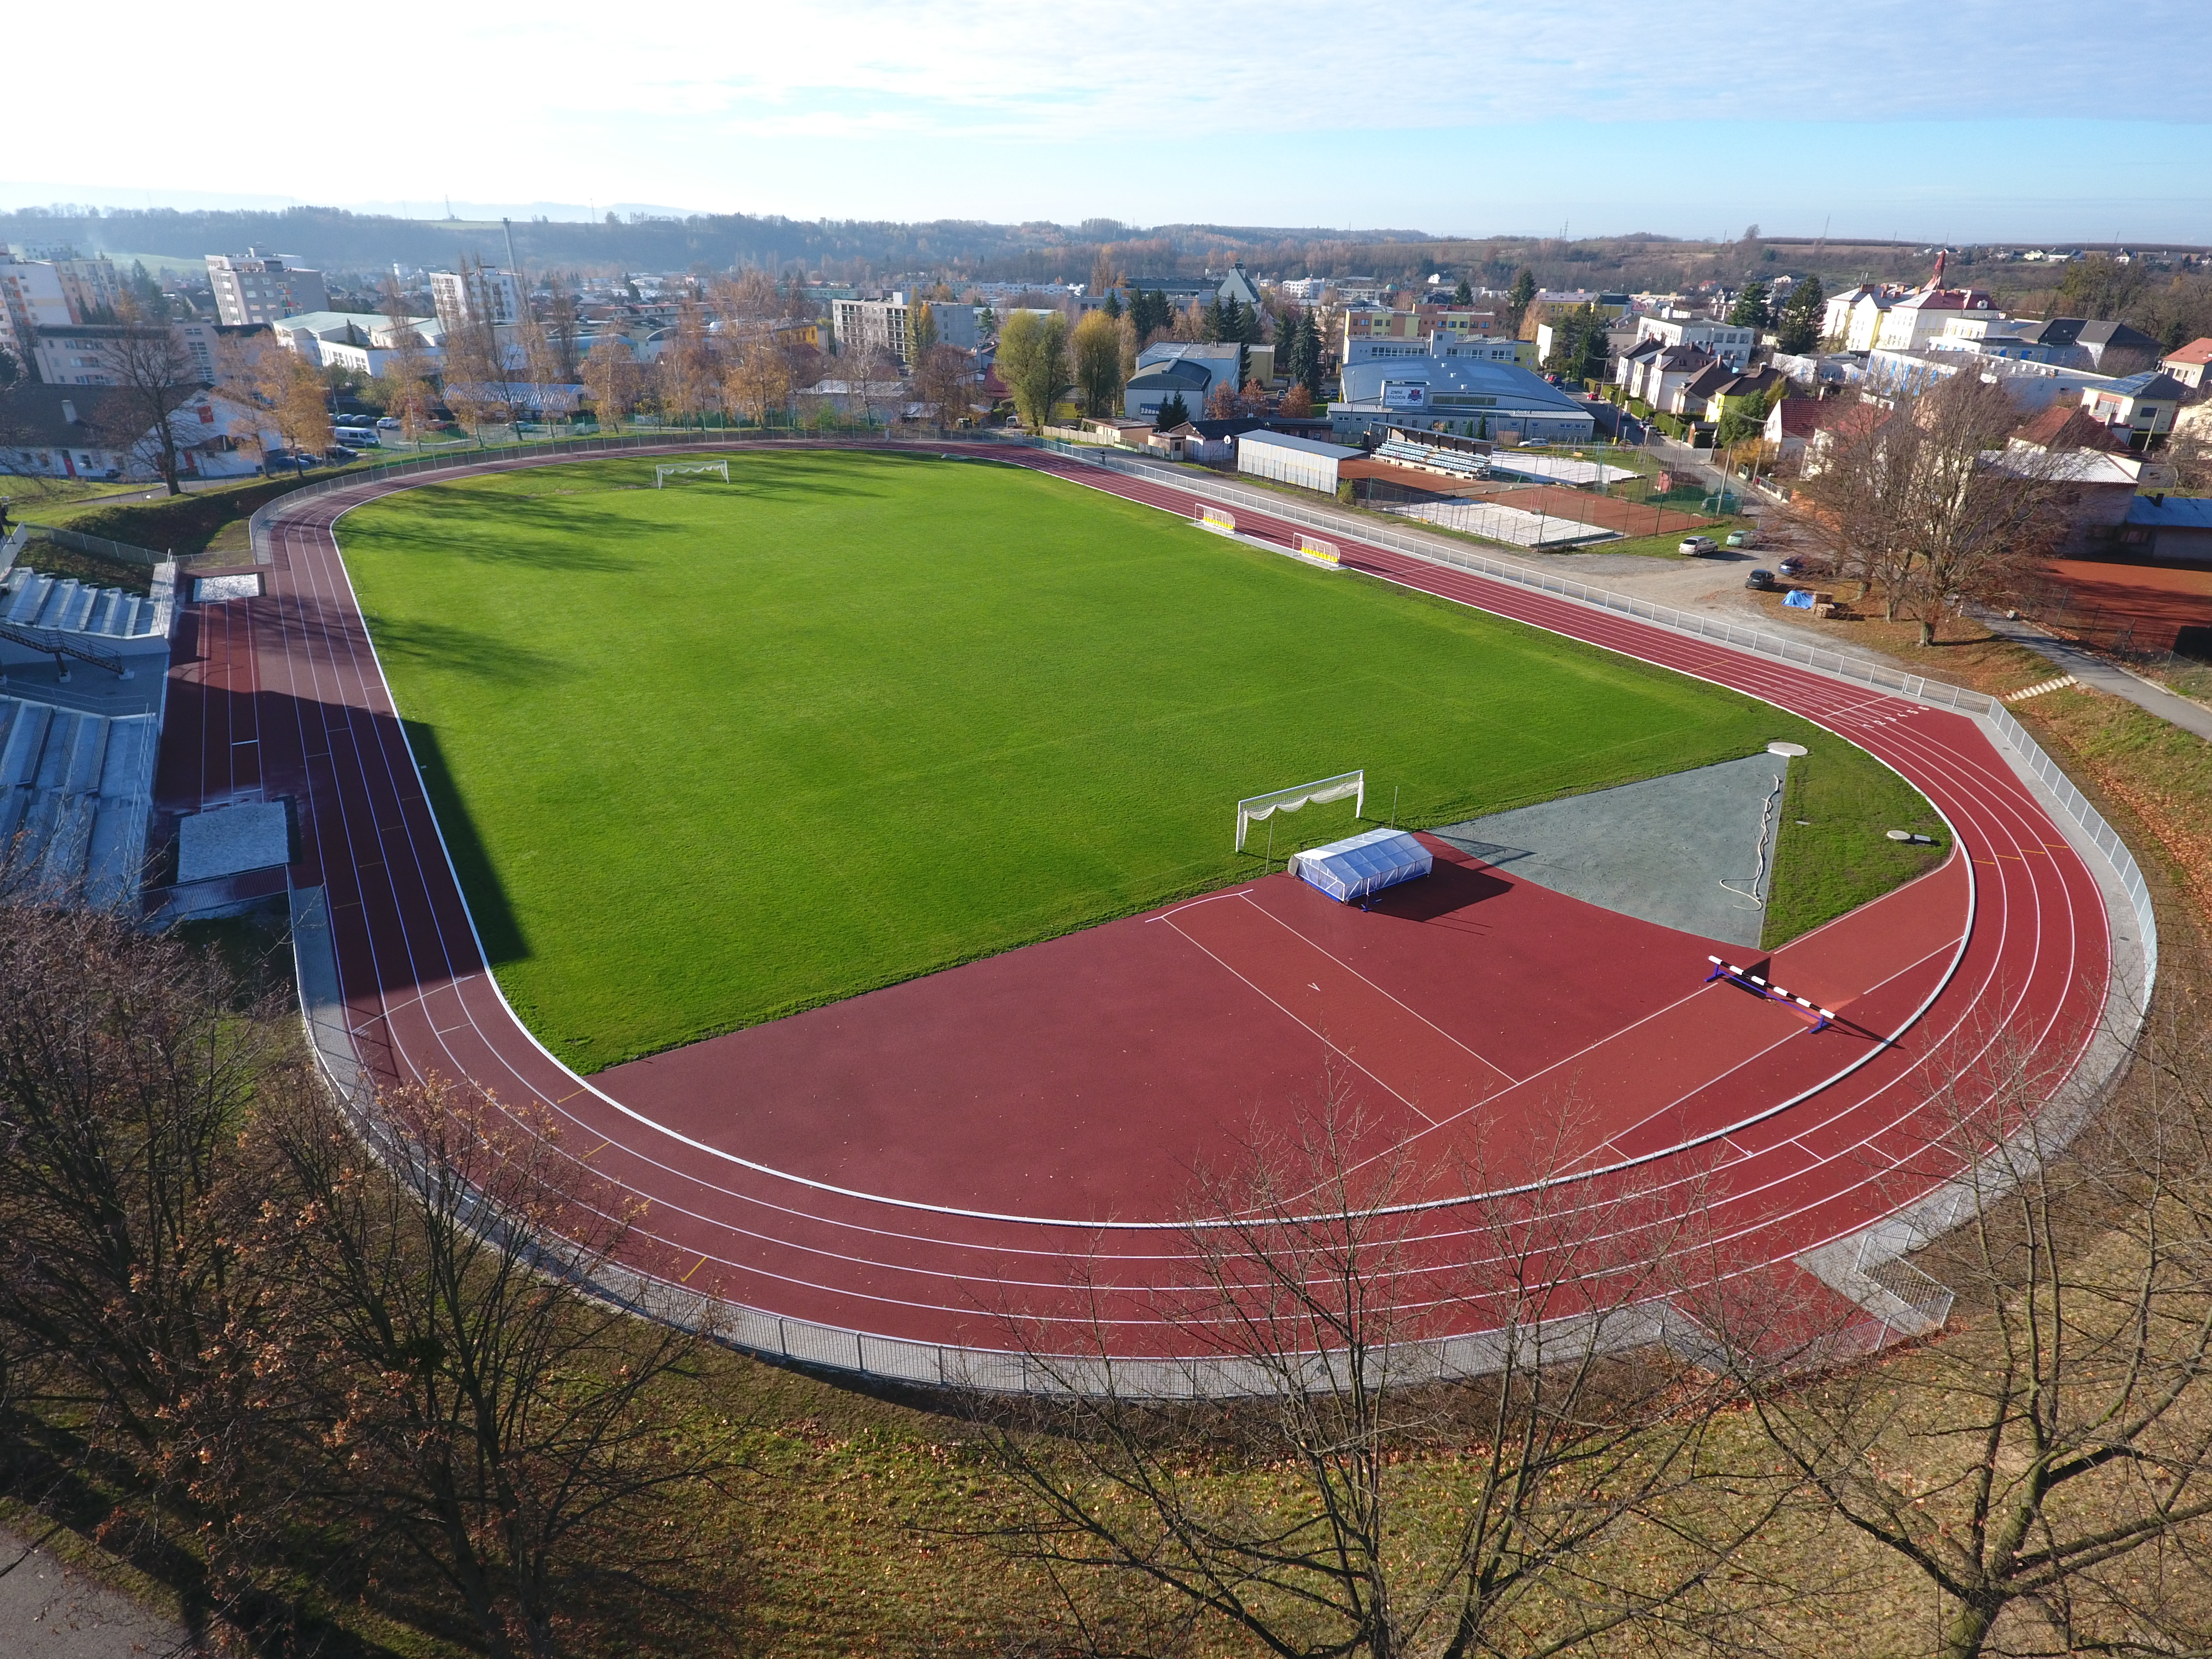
(873, 379)
(520, 1440)
(688, 373)
(1556, 1449)
(1926, 501)
(2045, 1469)
(941, 382)
(151, 377)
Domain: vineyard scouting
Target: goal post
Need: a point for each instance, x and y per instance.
(662, 474)
(1249, 811)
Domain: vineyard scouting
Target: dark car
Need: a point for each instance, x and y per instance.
(339, 454)
(1763, 580)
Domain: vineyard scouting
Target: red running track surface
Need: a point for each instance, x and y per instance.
(910, 1163)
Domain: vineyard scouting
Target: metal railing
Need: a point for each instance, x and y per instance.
(120, 552)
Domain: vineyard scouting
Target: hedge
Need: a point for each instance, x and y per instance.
(184, 524)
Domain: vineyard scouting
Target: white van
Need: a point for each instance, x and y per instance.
(356, 437)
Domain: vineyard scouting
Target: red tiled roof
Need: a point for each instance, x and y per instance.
(2197, 351)
(1801, 416)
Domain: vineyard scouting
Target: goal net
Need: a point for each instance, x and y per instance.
(661, 475)
(1251, 812)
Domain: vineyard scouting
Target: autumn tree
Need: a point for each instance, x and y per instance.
(407, 396)
(1033, 362)
(127, 1070)
(612, 375)
(758, 380)
(920, 333)
(687, 374)
(1098, 352)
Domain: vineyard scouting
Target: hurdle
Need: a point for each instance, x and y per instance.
(1821, 1017)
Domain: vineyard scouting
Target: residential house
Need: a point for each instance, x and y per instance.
(1911, 323)
(1863, 320)
(2189, 363)
(2140, 406)
(1732, 344)
(1792, 421)
(1694, 395)
(2170, 527)
(69, 432)
(1836, 316)
(1740, 395)
(1668, 370)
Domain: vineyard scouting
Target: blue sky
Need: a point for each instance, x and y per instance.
(1960, 121)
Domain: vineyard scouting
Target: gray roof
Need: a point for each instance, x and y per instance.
(1171, 375)
(1303, 445)
(1458, 377)
(2116, 334)
(32, 416)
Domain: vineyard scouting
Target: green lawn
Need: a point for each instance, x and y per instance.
(1834, 853)
(710, 755)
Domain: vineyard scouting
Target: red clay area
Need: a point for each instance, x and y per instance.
(910, 1163)
(2154, 602)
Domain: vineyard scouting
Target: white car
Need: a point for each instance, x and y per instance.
(387, 423)
(1696, 547)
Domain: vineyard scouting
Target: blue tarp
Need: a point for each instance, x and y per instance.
(1798, 599)
(1349, 869)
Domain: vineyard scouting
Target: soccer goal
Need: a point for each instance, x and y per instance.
(1251, 810)
(661, 475)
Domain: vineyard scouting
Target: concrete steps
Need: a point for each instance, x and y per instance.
(75, 794)
(30, 598)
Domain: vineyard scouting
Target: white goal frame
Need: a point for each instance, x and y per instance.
(660, 474)
(1251, 810)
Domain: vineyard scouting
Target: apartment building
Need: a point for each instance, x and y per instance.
(889, 324)
(477, 294)
(254, 286)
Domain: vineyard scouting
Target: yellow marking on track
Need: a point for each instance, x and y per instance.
(695, 1266)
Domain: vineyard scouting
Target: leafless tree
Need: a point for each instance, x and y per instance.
(689, 372)
(1374, 1493)
(1922, 497)
(410, 399)
(872, 380)
(520, 1440)
(151, 377)
(942, 380)
(2045, 1469)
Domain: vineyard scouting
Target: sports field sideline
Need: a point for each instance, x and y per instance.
(711, 754)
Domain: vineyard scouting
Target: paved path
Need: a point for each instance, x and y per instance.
(2094, 670)
(49, 1610)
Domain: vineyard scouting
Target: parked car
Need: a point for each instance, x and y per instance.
(1743, 538)
(1696, 547)
(1804, 564)
(338, 454)
(1761, 581)
(388, 423)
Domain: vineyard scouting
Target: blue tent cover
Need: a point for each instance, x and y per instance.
(1349, 869)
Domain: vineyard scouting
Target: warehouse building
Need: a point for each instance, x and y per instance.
(1300, 461)
(1460, 395)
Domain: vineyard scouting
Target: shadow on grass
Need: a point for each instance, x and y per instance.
(481, 656)
(496, 926)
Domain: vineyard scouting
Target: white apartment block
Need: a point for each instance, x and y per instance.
(888, 323)
(38, 292)
(260, 288)
(1733, 345)
(477, 295)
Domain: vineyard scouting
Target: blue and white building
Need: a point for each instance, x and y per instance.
(1465, 396)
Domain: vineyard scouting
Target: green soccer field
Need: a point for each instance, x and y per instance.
(710, 755)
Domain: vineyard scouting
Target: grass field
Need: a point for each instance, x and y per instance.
(713, 754)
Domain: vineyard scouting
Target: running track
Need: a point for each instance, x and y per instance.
(1780, 1163)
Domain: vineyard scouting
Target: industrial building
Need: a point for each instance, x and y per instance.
(1285, 459)
(1464, 396)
